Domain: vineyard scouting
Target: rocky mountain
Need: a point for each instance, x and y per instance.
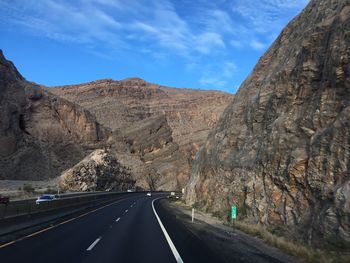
(40, 134)
(281, 150)
(157, 130)
(154, 131)
(99, 171)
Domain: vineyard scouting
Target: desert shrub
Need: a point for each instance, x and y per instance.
(50, 190)
(28, 188)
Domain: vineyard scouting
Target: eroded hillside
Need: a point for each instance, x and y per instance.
(40, 134)
(281, 149)
(152, 131)
(157, 130)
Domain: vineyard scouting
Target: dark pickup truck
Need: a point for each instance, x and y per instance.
(4, 199)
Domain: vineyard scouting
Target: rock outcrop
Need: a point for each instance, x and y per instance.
(12, 103)
(155, 130)
(100, 171)
(148, 148)
(40, 134)
(163, 127)
(281, 150)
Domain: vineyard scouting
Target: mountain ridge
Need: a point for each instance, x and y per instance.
(146, 128)
(281, 149)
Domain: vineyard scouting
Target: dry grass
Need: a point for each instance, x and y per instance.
(301, 251)
(298, 250)
(183, 205)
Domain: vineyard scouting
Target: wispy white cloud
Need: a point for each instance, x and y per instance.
(206, 42)
(266, 16)
(203, 35)
(261, 21)
(217, 20)
(62, 21)
(257, 45)
(157, 23)
(219, 76)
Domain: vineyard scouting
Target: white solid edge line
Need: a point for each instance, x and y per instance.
(93, 244)
(171, 244)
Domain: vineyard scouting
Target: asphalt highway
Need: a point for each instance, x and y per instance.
(134, 229)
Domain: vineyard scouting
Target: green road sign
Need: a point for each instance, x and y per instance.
(233, 212)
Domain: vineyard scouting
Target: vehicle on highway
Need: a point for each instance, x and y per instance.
(45, 198)
(149, 194)
(4, 199)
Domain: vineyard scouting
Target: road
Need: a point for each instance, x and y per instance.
(126, 230)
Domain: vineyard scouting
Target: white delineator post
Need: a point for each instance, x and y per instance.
(192, 214)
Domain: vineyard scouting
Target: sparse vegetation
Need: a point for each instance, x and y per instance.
(151, 178)
(28, 188)
(50, 190)
(301, 251)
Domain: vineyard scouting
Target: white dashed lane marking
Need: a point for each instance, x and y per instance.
(93, 244)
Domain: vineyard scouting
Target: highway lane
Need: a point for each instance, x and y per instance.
(124, 231)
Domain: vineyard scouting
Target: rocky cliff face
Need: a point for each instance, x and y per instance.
(154, 130)
(148, 149)
(40, 133)
(163, 127)
(99, 171)
(281, 149)
(12, 102)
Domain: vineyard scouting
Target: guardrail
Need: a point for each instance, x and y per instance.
(29, 207)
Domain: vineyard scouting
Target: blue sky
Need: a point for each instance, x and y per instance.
(208, 44)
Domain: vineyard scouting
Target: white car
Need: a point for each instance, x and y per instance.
(45, 198)
(149, 194)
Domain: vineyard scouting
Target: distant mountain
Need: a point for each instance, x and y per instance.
(281, 150)
(152, 132)
(161, 126)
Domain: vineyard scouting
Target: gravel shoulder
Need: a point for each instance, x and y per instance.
(231, 244)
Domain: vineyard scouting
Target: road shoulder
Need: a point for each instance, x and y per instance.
(233, 245)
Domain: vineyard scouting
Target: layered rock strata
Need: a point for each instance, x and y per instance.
(281, 149)
(163, 126)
